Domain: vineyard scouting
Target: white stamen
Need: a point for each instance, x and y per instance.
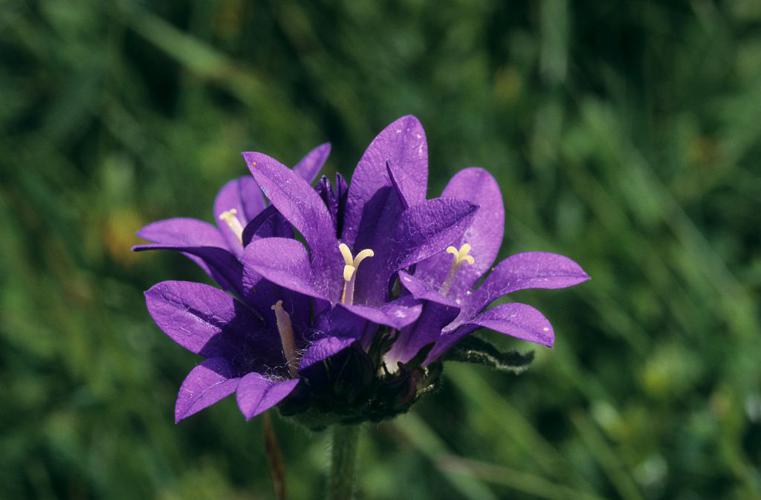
(351, 264)
(460, 255)
(230, 218)
(285, 329)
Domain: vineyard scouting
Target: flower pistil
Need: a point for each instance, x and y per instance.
(351, 264)
(230, 217)
(285, 329)
(460, 255)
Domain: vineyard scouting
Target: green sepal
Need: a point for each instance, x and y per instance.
(478, 351)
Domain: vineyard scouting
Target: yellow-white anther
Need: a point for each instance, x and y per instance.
(285, 329)
(460, 255)
(351, 264)
(230, 217)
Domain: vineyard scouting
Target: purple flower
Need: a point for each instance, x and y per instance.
(327, 316)
(446, 282)
(242, 354)
(384, 220)
(257, 356)
(217, 248)
(255, 343)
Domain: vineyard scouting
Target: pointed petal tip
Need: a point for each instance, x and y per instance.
(144, 247)
(205, 385)
(405, 124)
(409, 120)
(549, 340)
(323, 151)
(153, 289)
(252, 158)
(257, 393)
(321, 349)
(146, 231)
(581, 275)
(181, 413)
(409, 123)
(472, 207)
(248, 157)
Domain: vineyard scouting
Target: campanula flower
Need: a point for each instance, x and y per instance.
(216, 248)
(447, 282)
(386, 223)
(257, 356)
(351, 325)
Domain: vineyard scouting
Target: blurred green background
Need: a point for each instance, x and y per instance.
(626, 135)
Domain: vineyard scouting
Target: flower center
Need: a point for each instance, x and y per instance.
(285, 329)
(460, 255)
(351, 264)
(230, 218)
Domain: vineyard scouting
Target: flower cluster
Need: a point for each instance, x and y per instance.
(337, 303)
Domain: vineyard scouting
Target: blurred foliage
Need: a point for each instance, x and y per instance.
(627, 135)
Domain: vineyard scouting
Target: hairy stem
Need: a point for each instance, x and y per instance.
(343, 460)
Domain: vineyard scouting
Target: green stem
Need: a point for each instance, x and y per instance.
(343, 460)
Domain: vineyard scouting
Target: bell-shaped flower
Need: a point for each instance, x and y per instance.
(217, 248)
(447, 282)
(356, 243)
(257, 356)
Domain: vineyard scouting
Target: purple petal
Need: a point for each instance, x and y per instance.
(514, 319)
(396, 174)
(322, 349)
(243, 196)
(257, 393)
(419, 232)
(426, 330)
(422, 290)
(529, 270)
(381, 217)
(258, 226)
(402, 144)
(206, 384)
(302, 207)
(484, 234)
(309, 166)
(338, 322)
(262, 294)
(286, 262)
(428, 228)
(268, 224)
(182, 231)
(194, 315)
(218, 263)
(396, 314)
(517, 320)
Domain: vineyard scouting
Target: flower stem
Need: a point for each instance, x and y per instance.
(275, 458)
(343, 459)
